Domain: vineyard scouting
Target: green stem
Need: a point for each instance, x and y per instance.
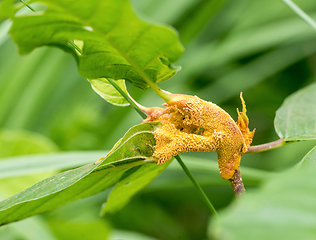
(128, 98)
(197, 186)
(28, 6)
(301, 13)
(71, 43)
(165, 95)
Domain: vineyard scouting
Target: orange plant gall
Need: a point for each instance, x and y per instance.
(192, 124)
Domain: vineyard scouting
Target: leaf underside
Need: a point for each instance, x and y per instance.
(105, 89)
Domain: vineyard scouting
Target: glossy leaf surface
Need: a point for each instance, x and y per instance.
(116, 43)
(296, 118)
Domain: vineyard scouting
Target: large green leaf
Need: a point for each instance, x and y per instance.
(116, 44)
(296, 118)
(134, 149)
(284, 208)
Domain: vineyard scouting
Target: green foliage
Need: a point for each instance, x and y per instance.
(259, 47)
(283, 208)
(130, 185)
(309, 159)
(32, 199)
(64, 230)
(6, 9)
(116, 44)
(36, 163)
(19, 144)
(23, 142)
(296, 118)
(134, 149)
(104, 88)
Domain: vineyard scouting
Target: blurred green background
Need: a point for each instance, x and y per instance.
(261, 48)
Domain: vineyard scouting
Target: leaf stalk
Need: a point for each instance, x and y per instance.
(267, 146)
(165, 95)
(28, 6)
(128, 98)
(196, 185)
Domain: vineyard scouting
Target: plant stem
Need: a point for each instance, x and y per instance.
(128, 98)
(28, 6)
(301, 13)
(165, 95)
(267, 146)
(71, 43)
(197, 186)
(237, 184)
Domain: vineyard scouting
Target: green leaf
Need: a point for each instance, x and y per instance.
(130, 185)
(31, 229)
(284, 208)
(105, 89)
(6, 9)
(296, 118)
(37, 163)
(18, 142)
(83, 230)
(141, 147)
(116, 44)
(309, 159)
(197, 18)
(135, 149)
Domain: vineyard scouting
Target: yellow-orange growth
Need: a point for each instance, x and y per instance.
(192, 124)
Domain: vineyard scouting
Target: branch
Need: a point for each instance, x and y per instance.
(267, 146)
(237, 184)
